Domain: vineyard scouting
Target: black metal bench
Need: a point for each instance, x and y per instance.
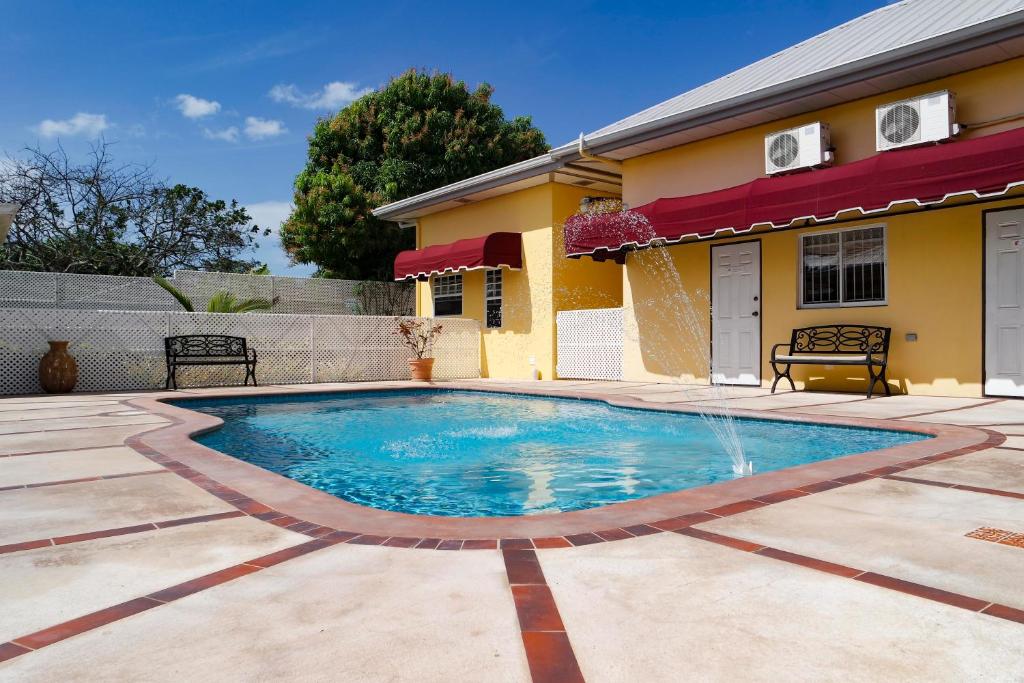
(836, 345)
(208, 349)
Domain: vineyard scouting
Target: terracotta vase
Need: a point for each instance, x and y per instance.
(422, 368)
(58, 370)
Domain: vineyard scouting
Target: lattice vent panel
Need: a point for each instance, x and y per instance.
(590, 344)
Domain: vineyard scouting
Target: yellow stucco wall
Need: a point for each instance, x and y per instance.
(738, 157)
(934, 257)
(935, 291)
(547, 283)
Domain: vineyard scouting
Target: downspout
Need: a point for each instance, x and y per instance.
(614, 163)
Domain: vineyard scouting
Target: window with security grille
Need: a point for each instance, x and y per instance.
(448, 295)
(492, 298)
(843, 268)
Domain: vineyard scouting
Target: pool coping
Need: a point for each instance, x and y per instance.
(279, 500)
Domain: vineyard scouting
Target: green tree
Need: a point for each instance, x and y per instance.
(100, 217)
(421, 131)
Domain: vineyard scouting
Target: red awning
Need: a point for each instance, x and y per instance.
(982, 167)
(499, 249)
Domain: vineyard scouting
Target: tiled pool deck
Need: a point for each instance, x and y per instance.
(127, 552)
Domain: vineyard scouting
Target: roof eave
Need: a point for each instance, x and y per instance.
(486, 181)
(955, 42)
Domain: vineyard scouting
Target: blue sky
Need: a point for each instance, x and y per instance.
(222, 95)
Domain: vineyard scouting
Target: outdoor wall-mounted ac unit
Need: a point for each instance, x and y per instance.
(796, 148)
(916, 121)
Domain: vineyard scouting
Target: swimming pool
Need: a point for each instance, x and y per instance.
(482, 454)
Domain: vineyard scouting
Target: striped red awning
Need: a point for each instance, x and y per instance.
(981, 167)
(497, 250)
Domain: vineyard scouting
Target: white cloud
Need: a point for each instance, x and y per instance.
(334, 95)
(271, 214)
(196, 107)
(259, 129)
(229, 134)
(88, 125)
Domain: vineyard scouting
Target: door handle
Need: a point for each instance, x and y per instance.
(755, 314)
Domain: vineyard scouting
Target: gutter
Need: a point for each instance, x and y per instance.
(996, 30)
(1006, 27)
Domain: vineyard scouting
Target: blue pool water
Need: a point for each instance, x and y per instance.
(474, 454)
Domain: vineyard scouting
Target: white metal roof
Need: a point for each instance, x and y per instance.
(869, 35)
(892, 47)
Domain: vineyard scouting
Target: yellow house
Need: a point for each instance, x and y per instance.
(872, 175)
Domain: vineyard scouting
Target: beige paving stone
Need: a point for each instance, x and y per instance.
(1003, 412)
(883, 407)
(793, 399)
(670, 608)
(59, 424)
(47, 586)
(910, 531)
(1014, 441)
(996, 468)
(60, 411)
(59, 440)
(59, 466)
(347, 613)
(50, 511)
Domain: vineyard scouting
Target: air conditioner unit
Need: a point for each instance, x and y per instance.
(796, 148)
(916, 121)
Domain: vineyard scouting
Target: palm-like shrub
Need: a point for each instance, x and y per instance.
(220, 302)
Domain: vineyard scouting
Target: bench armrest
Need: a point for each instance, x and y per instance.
(250, 353)
(775, 348)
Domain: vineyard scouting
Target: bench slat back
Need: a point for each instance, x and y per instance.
(841, 339)
(205, 345)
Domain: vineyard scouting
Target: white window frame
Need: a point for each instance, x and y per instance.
(435, 283)
(841, 303)
(500, 298)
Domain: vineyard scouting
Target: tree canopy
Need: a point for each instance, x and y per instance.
(421, 131)
(104, 218)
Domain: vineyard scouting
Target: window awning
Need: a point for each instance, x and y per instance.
(497, 250)
(982, 167)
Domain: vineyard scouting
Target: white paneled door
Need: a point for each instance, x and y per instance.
(1004, 303)
(735, 313)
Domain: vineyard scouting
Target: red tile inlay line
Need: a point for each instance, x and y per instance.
(922, 591)
(1004, 612)
(549, 653)
(550, 657)
(203, 582)
(11, 650)
(119, 531)
(54, 634)
(80, 480)
(881, 580)
(737, 543)
(810, 562)
(536, 608)
(958, 487)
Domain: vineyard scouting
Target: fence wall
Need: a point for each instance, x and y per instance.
(124, 350)
(318, 296)
(590, 344)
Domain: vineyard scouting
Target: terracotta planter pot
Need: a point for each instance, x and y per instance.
(58, 370)
(422, 368)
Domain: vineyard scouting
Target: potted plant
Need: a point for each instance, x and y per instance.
(419, 335)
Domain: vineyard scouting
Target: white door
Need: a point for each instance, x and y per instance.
(1004, 303)
(735, 311)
